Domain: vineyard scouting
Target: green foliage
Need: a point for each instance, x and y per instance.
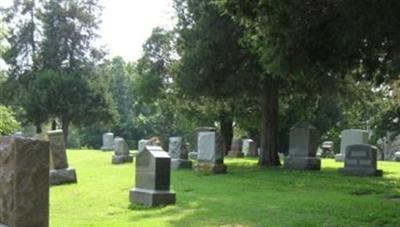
(52, 60)
(295, 198)
(8, 123)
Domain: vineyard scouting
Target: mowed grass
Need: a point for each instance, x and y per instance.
(245, 196)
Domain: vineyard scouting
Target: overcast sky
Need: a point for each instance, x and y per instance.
(126, 24)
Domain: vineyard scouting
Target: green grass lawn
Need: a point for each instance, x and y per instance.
(245, 196)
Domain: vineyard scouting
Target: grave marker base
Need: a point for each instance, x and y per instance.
(302, 163)
(210, 168)
(62, 176)
(361, 172)
(121, 159)
(151, 198)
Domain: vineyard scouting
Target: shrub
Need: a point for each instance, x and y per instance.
(8, 123)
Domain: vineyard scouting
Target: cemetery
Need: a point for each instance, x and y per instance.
(226, 113)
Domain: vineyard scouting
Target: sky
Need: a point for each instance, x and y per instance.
(126, 24)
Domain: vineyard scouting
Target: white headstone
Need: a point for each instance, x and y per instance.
(351, 137)
(108, 141)
(210, 147)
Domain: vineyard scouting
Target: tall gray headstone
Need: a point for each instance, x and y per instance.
(24, 182)
(351, 137)
(178, 153)
(236, 148)
(60, 172)
(121, 152)
(361, 160)
(210, 153)
(302, 148)
(153, 170)
(108, 142)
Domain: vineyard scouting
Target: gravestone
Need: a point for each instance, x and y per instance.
(327, 150)
(249, 148)
(60, 172)
(210, 153)
(178, 153)
(108, 142)
(153, 170)
(146, 142)
(236, 148)
(24, 182)
(121, 152)
(350, 137)
(361, 160)
(302, 148)
(192, 155)
(397, 156)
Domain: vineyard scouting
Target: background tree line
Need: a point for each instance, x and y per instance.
(251, 68)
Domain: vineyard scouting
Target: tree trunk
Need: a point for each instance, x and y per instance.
(38, 128)
(65, 126)
(269, 124)
(54, 125)
(226, 122)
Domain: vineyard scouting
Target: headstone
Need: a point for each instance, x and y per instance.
(24, 182)
(236, 148)
(397, 156)
(108, 142)
(18, 134)
(327, 150)
(178, 153)
(121, 152)
(249, 148)
(153, 170)
(392, 145)
(145, 142)
(302, 148)
(60, 172)
(193, 155)
(210, 153)
(350, 137)
(361, 160)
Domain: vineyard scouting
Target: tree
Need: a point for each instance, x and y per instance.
(307, 44)
(55, 46)
(8, 123)
(211, 63)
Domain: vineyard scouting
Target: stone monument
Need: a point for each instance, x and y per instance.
(108, 142)
(24, 182)
(397, 156)
(153, 169)
(249, 148)
(236, 148)
(361, 160)
(327, 150)
(121, 150)
(302, 148)
(143, 143)
(60, 172)
(178, 153)
(210, 153)
(350, 137)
